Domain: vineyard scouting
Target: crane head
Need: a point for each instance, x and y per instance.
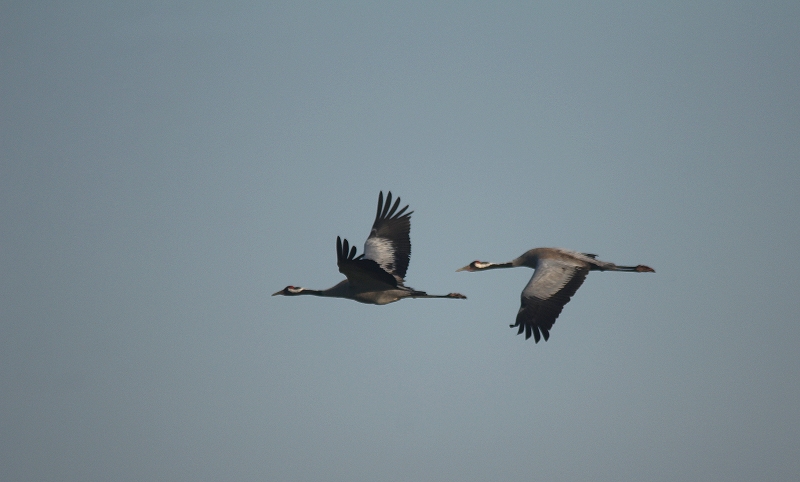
(475, 266)
(289, 291)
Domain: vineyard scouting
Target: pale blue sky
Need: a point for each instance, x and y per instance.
(166, 167)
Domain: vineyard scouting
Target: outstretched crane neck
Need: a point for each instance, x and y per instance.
(509, 264)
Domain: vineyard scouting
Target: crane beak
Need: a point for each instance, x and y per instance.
(465, 268)
(277, 293)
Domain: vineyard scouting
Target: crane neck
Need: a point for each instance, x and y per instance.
(339, 290)
(307, 291)
(509, 264)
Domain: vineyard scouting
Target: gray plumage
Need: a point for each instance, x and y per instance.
(558, 273)
(376, 276)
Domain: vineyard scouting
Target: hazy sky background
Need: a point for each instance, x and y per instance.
(166, 166)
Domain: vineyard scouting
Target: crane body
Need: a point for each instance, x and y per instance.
(377, 275)
(557, 275)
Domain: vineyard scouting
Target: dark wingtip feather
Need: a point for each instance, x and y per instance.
(380, 205)
(394, 208)
(388, 204)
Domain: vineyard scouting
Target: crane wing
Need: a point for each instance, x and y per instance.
(552, 285)
(388, 243)
(359, 270)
